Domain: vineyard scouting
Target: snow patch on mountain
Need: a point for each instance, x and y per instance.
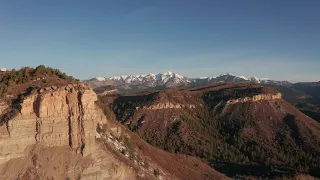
(242, 77)
(100, 78)
(255, 79)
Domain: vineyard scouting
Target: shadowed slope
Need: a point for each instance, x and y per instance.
(238, 123)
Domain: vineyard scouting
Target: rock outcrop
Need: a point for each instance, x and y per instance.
(255, 98)
(50, 117)
(3, 107)
(167, 105)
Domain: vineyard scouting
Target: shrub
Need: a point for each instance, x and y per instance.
(156, 172)
(146, 163)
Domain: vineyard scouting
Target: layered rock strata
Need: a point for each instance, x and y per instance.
(50, 117)
(167, 105)
(255, 98)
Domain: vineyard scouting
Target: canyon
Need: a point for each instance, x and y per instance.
(59, 132)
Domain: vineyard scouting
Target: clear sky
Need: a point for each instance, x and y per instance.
(263, 38)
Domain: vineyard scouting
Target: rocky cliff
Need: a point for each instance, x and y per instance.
(50, 117)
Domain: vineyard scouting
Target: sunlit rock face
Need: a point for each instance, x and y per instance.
(255, 98)
(65, 116)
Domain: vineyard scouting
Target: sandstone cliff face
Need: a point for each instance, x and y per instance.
(65, 116)
(166, 105)
(255, 98)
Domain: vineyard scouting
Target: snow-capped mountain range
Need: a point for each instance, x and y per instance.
(170, 79)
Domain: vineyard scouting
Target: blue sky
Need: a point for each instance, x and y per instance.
(275, 39)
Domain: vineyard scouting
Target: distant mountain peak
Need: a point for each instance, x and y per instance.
(255, 79)
(168, 73)
(226, 74)
(172, 74)
(100, 78)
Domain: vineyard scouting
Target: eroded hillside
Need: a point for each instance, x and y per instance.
(239, 128)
